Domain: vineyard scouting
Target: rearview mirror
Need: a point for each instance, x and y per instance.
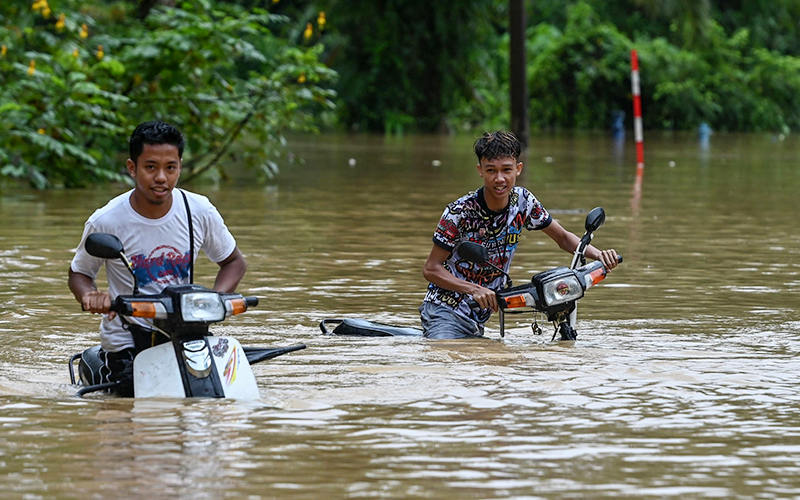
(473, 252)
(595, 219)
(104, 246)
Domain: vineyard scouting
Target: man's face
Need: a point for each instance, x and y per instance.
(156, 172)
(499, 178)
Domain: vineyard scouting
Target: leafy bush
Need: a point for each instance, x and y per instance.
(405, 66)
(579, 77)
(74, 82)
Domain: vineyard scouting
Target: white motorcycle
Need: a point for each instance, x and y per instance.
(190, 362)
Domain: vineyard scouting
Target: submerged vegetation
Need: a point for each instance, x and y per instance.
(235, 75)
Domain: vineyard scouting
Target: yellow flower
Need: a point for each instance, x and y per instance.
(3, 51)
(75, 53)
(275, 1)
(84, 31)
(41, 5)
(100, 52)
(137, 79)
(308, 32)
(301, 78)
(41, 131)
(62, 20)
(321, 20)
(32, 68)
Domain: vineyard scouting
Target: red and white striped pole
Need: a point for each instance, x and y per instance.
(637, 112)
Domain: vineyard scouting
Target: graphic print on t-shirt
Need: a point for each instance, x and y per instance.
(469, 219)
(164, 265)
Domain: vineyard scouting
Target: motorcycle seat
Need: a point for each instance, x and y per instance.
(366, 328)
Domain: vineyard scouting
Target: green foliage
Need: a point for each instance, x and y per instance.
(772, 24)
(406, 67)
(729, 85)
(578, 78)
(446, 67)
(76, 76)
(73, 87)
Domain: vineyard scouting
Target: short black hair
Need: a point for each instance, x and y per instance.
(153, 133)
(500, 144)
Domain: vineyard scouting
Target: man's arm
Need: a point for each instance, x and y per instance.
(435, 273)
(568, 242)
(85, 291)
(231, 271)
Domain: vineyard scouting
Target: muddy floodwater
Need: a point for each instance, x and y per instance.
(683, 382)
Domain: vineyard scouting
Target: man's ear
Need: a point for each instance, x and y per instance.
(519, 167)
(480, 172)
(131, 167)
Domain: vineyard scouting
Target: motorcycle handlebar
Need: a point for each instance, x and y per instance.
(475, 307)
(249, 301)
(112, 308)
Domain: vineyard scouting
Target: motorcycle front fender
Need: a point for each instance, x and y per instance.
(165, 371)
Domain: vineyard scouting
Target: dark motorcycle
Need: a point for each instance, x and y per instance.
(554, 292)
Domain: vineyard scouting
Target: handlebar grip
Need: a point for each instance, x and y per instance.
(473, 305)
(251, 301)
(619, 259)
(112, 308)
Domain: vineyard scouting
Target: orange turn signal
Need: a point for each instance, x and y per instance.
(598, 275)
(143, 309)
(238, 306)
(515, 301)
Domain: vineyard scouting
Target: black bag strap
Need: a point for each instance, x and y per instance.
(191, 237)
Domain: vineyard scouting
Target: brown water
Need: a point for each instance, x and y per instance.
(683, 383)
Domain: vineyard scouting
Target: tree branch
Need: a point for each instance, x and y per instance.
(224, 149)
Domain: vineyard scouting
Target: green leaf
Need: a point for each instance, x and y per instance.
(9, 106)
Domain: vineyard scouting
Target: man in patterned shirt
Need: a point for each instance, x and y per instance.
(493, 216)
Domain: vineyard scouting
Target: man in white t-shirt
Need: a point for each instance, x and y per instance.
(493, 216)
(152, 221)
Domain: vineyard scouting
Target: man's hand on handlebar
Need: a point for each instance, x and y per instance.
(97, 302)
(609, 259)
(486, 298)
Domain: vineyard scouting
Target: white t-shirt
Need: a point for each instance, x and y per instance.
(158, 249)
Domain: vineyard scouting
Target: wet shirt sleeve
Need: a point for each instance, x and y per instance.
(82, 262)
(537, 216)
(220, 243)
(447, 234)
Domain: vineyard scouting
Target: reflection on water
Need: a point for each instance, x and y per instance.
(682, 383)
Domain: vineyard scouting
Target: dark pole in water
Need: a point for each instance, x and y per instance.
(519, 84)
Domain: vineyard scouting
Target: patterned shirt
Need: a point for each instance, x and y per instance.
(469, 219)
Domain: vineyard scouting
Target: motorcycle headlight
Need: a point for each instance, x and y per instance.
(202, 307)
(563, 289)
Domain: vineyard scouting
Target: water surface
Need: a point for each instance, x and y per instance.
(682, 383)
